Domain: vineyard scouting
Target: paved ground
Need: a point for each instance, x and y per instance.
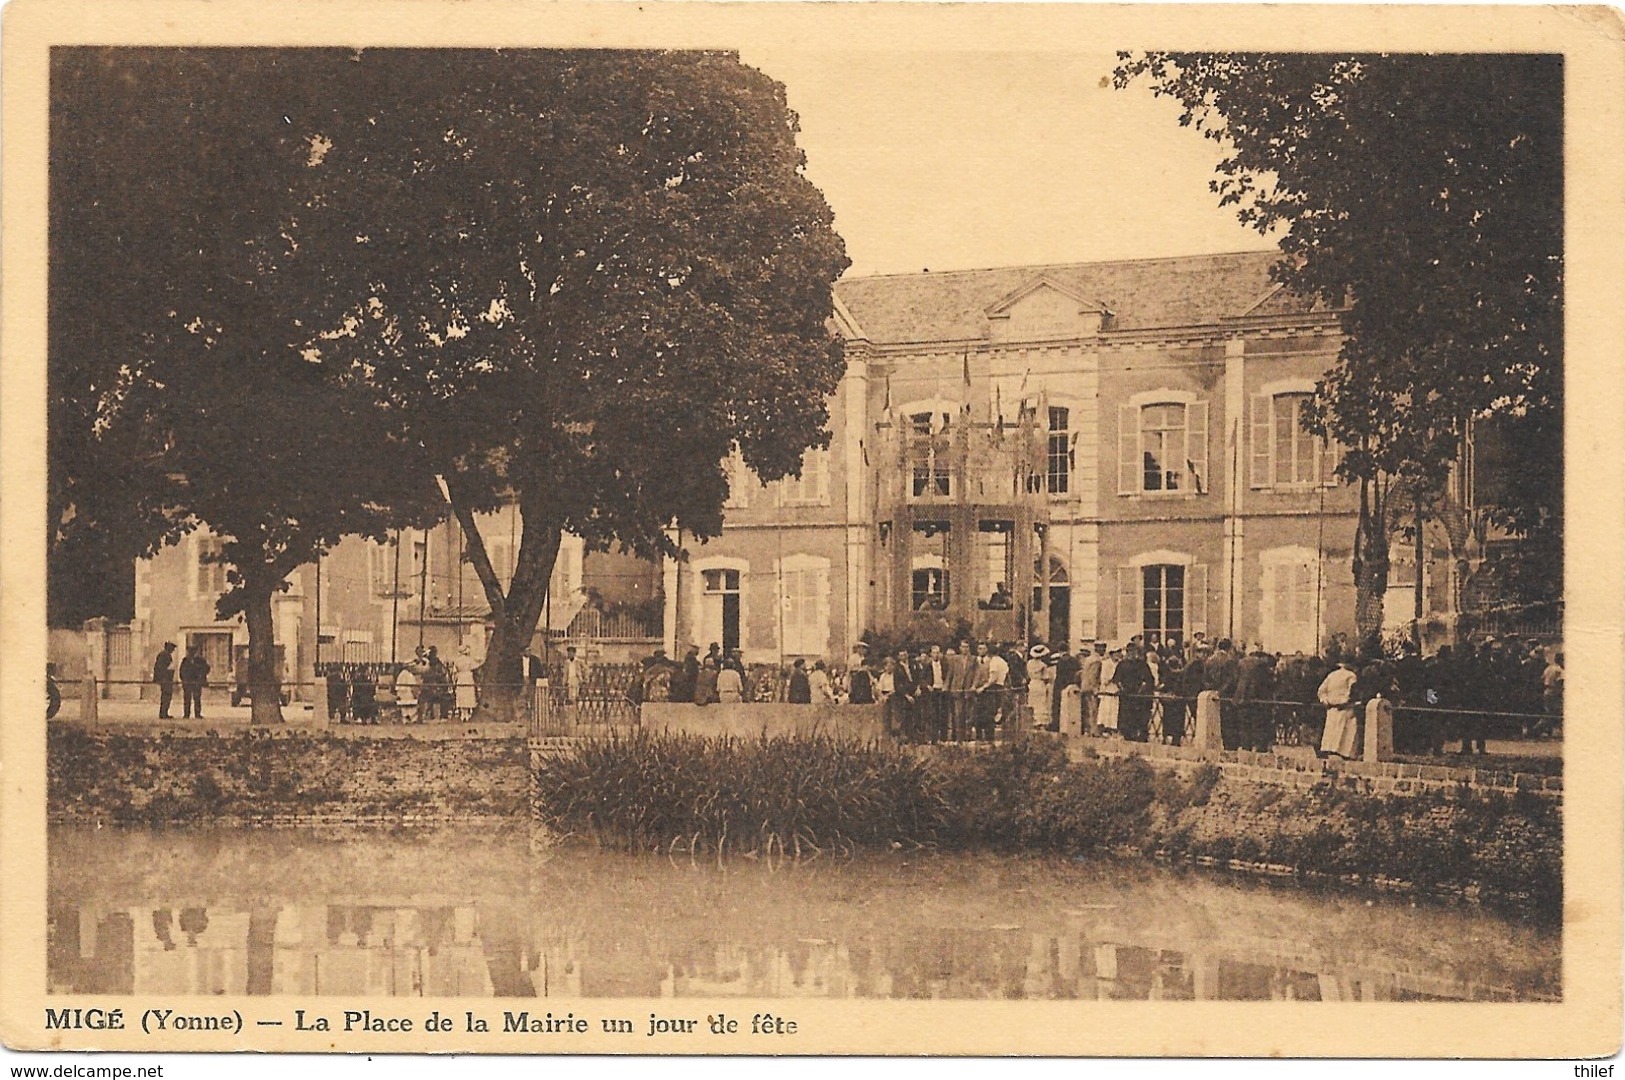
(223, 718)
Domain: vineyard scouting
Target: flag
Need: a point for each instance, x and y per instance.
(966, 389)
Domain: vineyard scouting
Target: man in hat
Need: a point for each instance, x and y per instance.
(687, 675)
(163, 673)
(860, 683)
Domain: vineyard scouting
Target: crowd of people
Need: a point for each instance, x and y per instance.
(1146, 690)
(425, 688)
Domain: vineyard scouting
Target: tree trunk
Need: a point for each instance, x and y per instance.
(1370, 564)
(264, 678)
(515, 612)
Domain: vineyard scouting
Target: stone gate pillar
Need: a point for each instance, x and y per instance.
(1379, 730)
(1207, 735)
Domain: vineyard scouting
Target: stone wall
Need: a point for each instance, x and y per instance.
(1299, 769)
(749, 720)
(293, 779)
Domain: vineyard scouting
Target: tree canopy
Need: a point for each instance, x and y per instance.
(576, 281)
(582, 279)
(1427, 190)
(181, 389)
(1425, 194)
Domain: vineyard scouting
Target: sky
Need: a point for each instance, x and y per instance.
(958, 160)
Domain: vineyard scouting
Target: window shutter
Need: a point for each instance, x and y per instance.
(821, 619)
(1263, 440)
(1270, 602)
(1330, 455)
(1129, 584)
(1196, 599)
(1196, 445)
(1129, 465)
(821, 489)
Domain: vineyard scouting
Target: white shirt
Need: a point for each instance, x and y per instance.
(998, 671)
(1337, 688)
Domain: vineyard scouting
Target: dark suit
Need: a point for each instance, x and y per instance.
(933, 699)
(1068, 672)
(1134, 701)
(194, 676)
(1255, 723)
(900, 704)
(959, 672)
(1219, 674)
(684, 680)
(163, 673)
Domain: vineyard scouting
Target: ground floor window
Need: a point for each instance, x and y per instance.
(1291, 606)
(719, 607)
(804, 601)
(1161, 598)
(1162, 591)
(216, 649)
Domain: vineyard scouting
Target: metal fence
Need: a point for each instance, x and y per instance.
(595, 625)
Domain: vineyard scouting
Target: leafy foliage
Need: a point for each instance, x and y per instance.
(1425, 193)
(580, 279)
(182, 285)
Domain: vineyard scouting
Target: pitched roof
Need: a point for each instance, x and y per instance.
(1187, 290)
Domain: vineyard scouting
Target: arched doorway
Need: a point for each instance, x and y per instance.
(1059, 606)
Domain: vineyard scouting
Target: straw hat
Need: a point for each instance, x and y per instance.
(1039, 651)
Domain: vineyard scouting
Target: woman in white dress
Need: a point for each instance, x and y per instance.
(1039, 676)
(1337, 694)
(406, 694)
(463, 681)
(1107, 717)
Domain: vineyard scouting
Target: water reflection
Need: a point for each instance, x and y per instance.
(448, 914)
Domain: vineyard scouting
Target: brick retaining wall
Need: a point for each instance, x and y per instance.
(1299, 768)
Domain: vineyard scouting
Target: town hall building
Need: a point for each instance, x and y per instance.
(1077, 452)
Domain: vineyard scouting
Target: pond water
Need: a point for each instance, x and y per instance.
(493, 910)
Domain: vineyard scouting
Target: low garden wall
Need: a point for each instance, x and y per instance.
(749, 720)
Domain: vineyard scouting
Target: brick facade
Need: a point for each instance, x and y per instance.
(1124, 433)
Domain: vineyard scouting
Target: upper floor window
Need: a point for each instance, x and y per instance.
(390, 568)
(1283, 454)
(209, 573)
(812, 487)
(1162, 448)
(928, 442)
(1059, 456)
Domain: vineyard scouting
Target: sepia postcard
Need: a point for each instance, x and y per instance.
(812, 529)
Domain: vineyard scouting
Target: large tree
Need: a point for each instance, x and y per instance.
(183, 386)
(1424, 194)
(584, 278)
